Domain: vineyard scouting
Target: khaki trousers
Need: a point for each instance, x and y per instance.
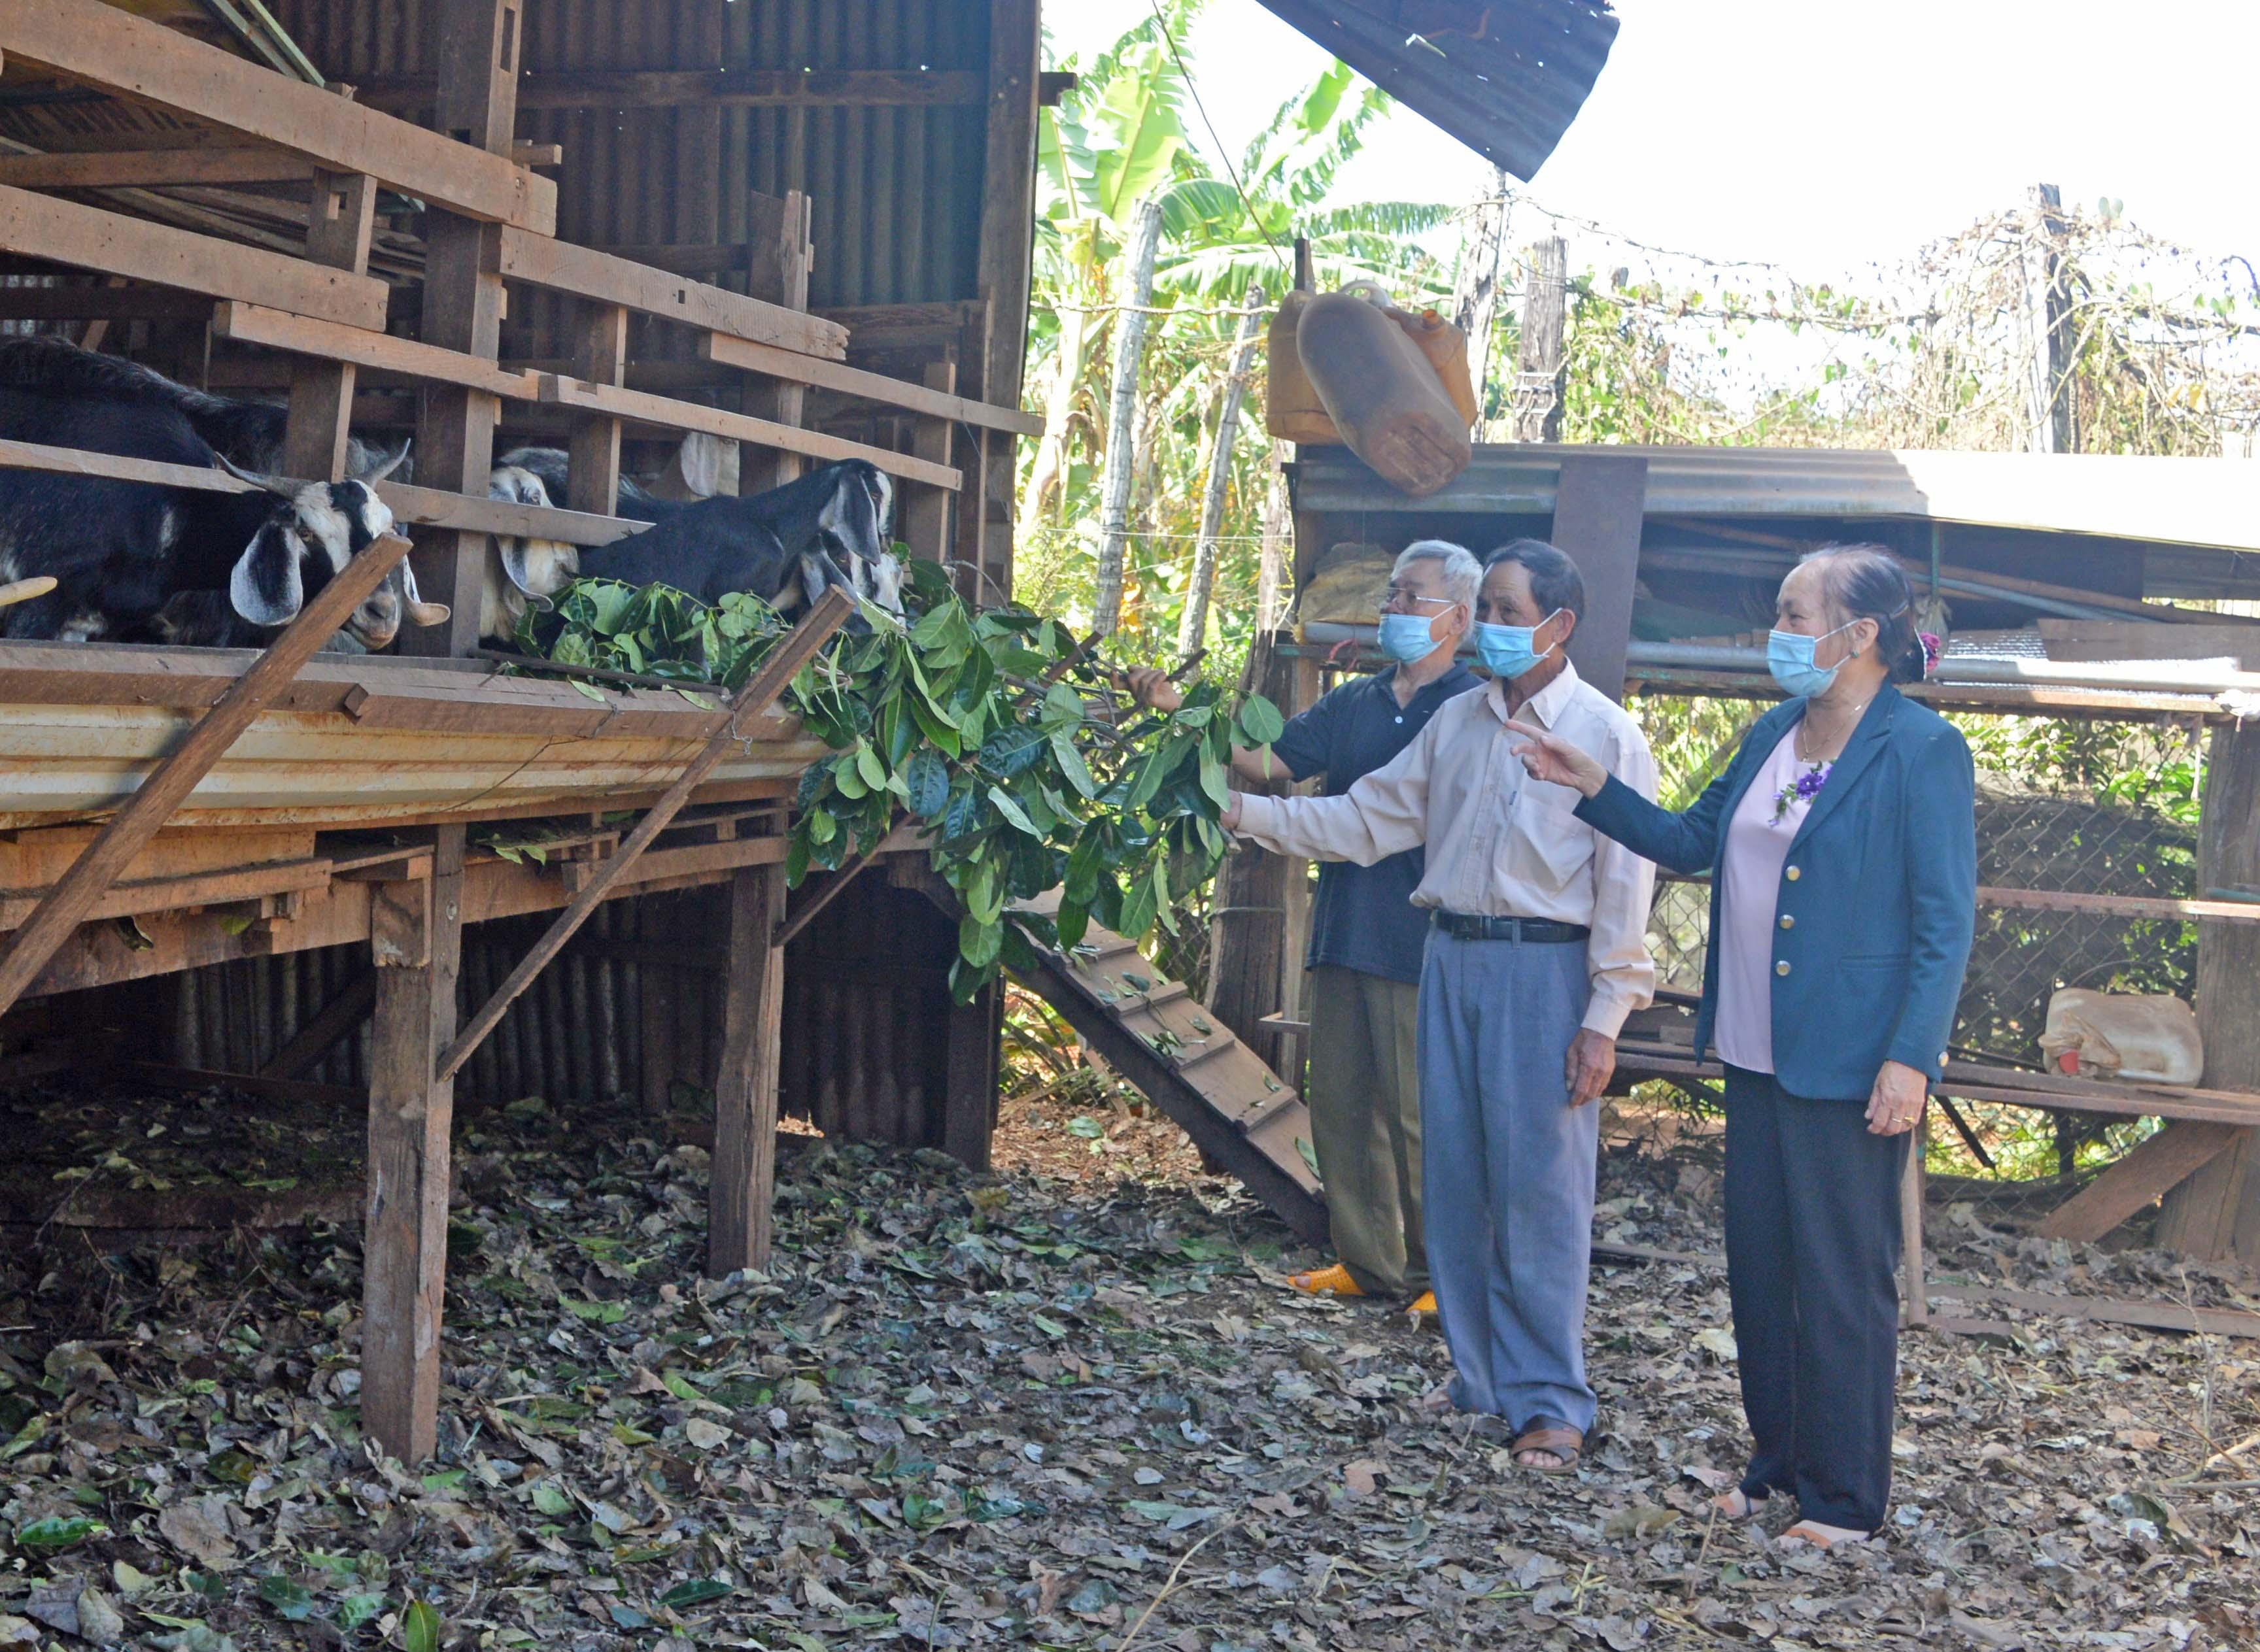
(1364, 1097)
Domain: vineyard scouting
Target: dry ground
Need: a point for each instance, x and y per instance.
(1068, 1405)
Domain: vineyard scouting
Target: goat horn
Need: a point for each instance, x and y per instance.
(24, 590)
(266, 484)
(391, 464)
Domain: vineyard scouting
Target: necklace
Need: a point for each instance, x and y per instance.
(1805, 727)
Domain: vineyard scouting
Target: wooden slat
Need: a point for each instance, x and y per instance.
(2156, 1316)
(110, 48)
(257, 324)
(738, 1228)
(870, 387)
(89, 238)
(711, 89)
(795, 650)
(642, 407)
(2118, 906)
(165, 894)
(561, 267)
(428, 506)
(323, 1034)
(2152, 1170)
(154, 168)
(169, 785)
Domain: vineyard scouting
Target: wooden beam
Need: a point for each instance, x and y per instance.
(411, 1116)
(1597, 520)
(2153, 1169)
(642, 407)
(969, 1114)
(560, 266)
(2119, 905)
(1005, 267)
(170, 782)
(154, 168)
(600, 357)
(318, 1037)
(89, 238)
(780, 252)
(746, 1087)
(104, 46)
(429, 507)
(341, 220)
(675, 89)
(924, 515)
(254, 324)
(766, 686)
(870, 387)
(102, 303)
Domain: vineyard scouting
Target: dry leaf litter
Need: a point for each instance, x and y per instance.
(1067, 1405)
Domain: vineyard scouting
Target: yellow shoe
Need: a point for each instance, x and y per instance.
(1426, 1304)
(1333, 1281)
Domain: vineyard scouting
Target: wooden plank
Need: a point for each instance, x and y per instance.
(601, 357)
(154, 168)
(2156, 1316)
(2068, 639)
(2215, 1213)
(173, 895)
(924, 518)
(429, 506)
(318, 1037)
(1598, 513)
(2139, 1180)
(1247, 931)
(107, 48)
(882, 327)
(1003, 269)
(256, 325)
(690, 860)
(969, 1103)
(165, 1076)
(642, 407)
(169, 785)
(2119, 905)
(797, 649)
(341, 220)
(780, 253)
(746, 1087)
(411, 1116)
(870, 387)
(102, 303)
(706, 88)
(561, 268)
(90, 237)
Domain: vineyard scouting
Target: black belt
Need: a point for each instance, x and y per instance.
(1467, 927)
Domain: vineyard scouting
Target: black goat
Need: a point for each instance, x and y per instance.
(785, 546)
(553, 467)
(249, 433)
(120, 552)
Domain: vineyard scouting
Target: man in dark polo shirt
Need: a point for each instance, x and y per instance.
(1366, 936)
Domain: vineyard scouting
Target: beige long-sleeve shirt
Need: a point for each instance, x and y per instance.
(1499, 843)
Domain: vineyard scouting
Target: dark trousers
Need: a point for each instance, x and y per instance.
(1813, 1249)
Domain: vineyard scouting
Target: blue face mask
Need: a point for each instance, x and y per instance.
(1405, 638)
(1789, 656)
(1510, 651)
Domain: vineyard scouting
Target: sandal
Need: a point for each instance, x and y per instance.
(1553, 1436)
(1735, 1504)
(1814, 1534)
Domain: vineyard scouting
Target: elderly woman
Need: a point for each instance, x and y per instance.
(1842, 847)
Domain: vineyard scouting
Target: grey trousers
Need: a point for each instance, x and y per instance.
(1510, 1173)
(1364, 1097)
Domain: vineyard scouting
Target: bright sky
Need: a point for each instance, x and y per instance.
(1822, 135)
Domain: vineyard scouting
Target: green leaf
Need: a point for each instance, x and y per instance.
(583, 686)
(1071, 764)
(597, 1313)
(1011, 811)
(1259, 722)
(1213, 780)
(927, 781)
(56, 1533)
(355, 1610)
(1012, 751)
(551, 1499)
(820, 825)
(978, 943)
(1084, 1126)
(698, 1591)
(420, 1627)
(292, 1601)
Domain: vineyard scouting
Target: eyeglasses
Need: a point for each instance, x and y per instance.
(1403, 597)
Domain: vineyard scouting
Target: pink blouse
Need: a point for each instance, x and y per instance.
(1757, 849)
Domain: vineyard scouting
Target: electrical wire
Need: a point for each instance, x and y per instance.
(1223, 155)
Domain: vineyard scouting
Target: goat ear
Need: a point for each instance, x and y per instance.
(419, 611)
(538, 567)
(389, 465)
(275, 485)
(699, 463)
(882, 489)
(816, 573)
(265, 586)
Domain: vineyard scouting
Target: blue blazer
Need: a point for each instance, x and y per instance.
(1880, 894)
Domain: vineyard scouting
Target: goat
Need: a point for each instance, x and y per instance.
(553, 465)
(785, 546)
(119, 552)
(248, 432)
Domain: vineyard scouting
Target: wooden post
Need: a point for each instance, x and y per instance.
(1475, 294)
(746, 1087)
(600, 357)
(1248, 965)
(1598, 509)
(926, 511)
(1193, 627)
(1275, 578)
(970, 1099)
(416, 939)
(340, 217)
(981, 559)
(2052, 420)
(476, 103)
(2216, 1212)
(1541, 362)
(780, 236)
(1136, 292)
(1005, 269)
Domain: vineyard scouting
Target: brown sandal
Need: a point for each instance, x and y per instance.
(1550, 1435)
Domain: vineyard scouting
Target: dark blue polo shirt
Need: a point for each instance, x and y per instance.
(1363, 917)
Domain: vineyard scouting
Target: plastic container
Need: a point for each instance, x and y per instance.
(1292, 409)
(1446, 348)
(2094, 1035)
(1381, 393)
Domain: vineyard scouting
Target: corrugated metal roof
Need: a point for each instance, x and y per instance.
(1505, 77)
(2212, 503)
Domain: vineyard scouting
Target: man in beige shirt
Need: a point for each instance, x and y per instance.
(1536, 955)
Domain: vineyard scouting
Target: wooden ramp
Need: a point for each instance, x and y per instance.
(1155, 1033)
